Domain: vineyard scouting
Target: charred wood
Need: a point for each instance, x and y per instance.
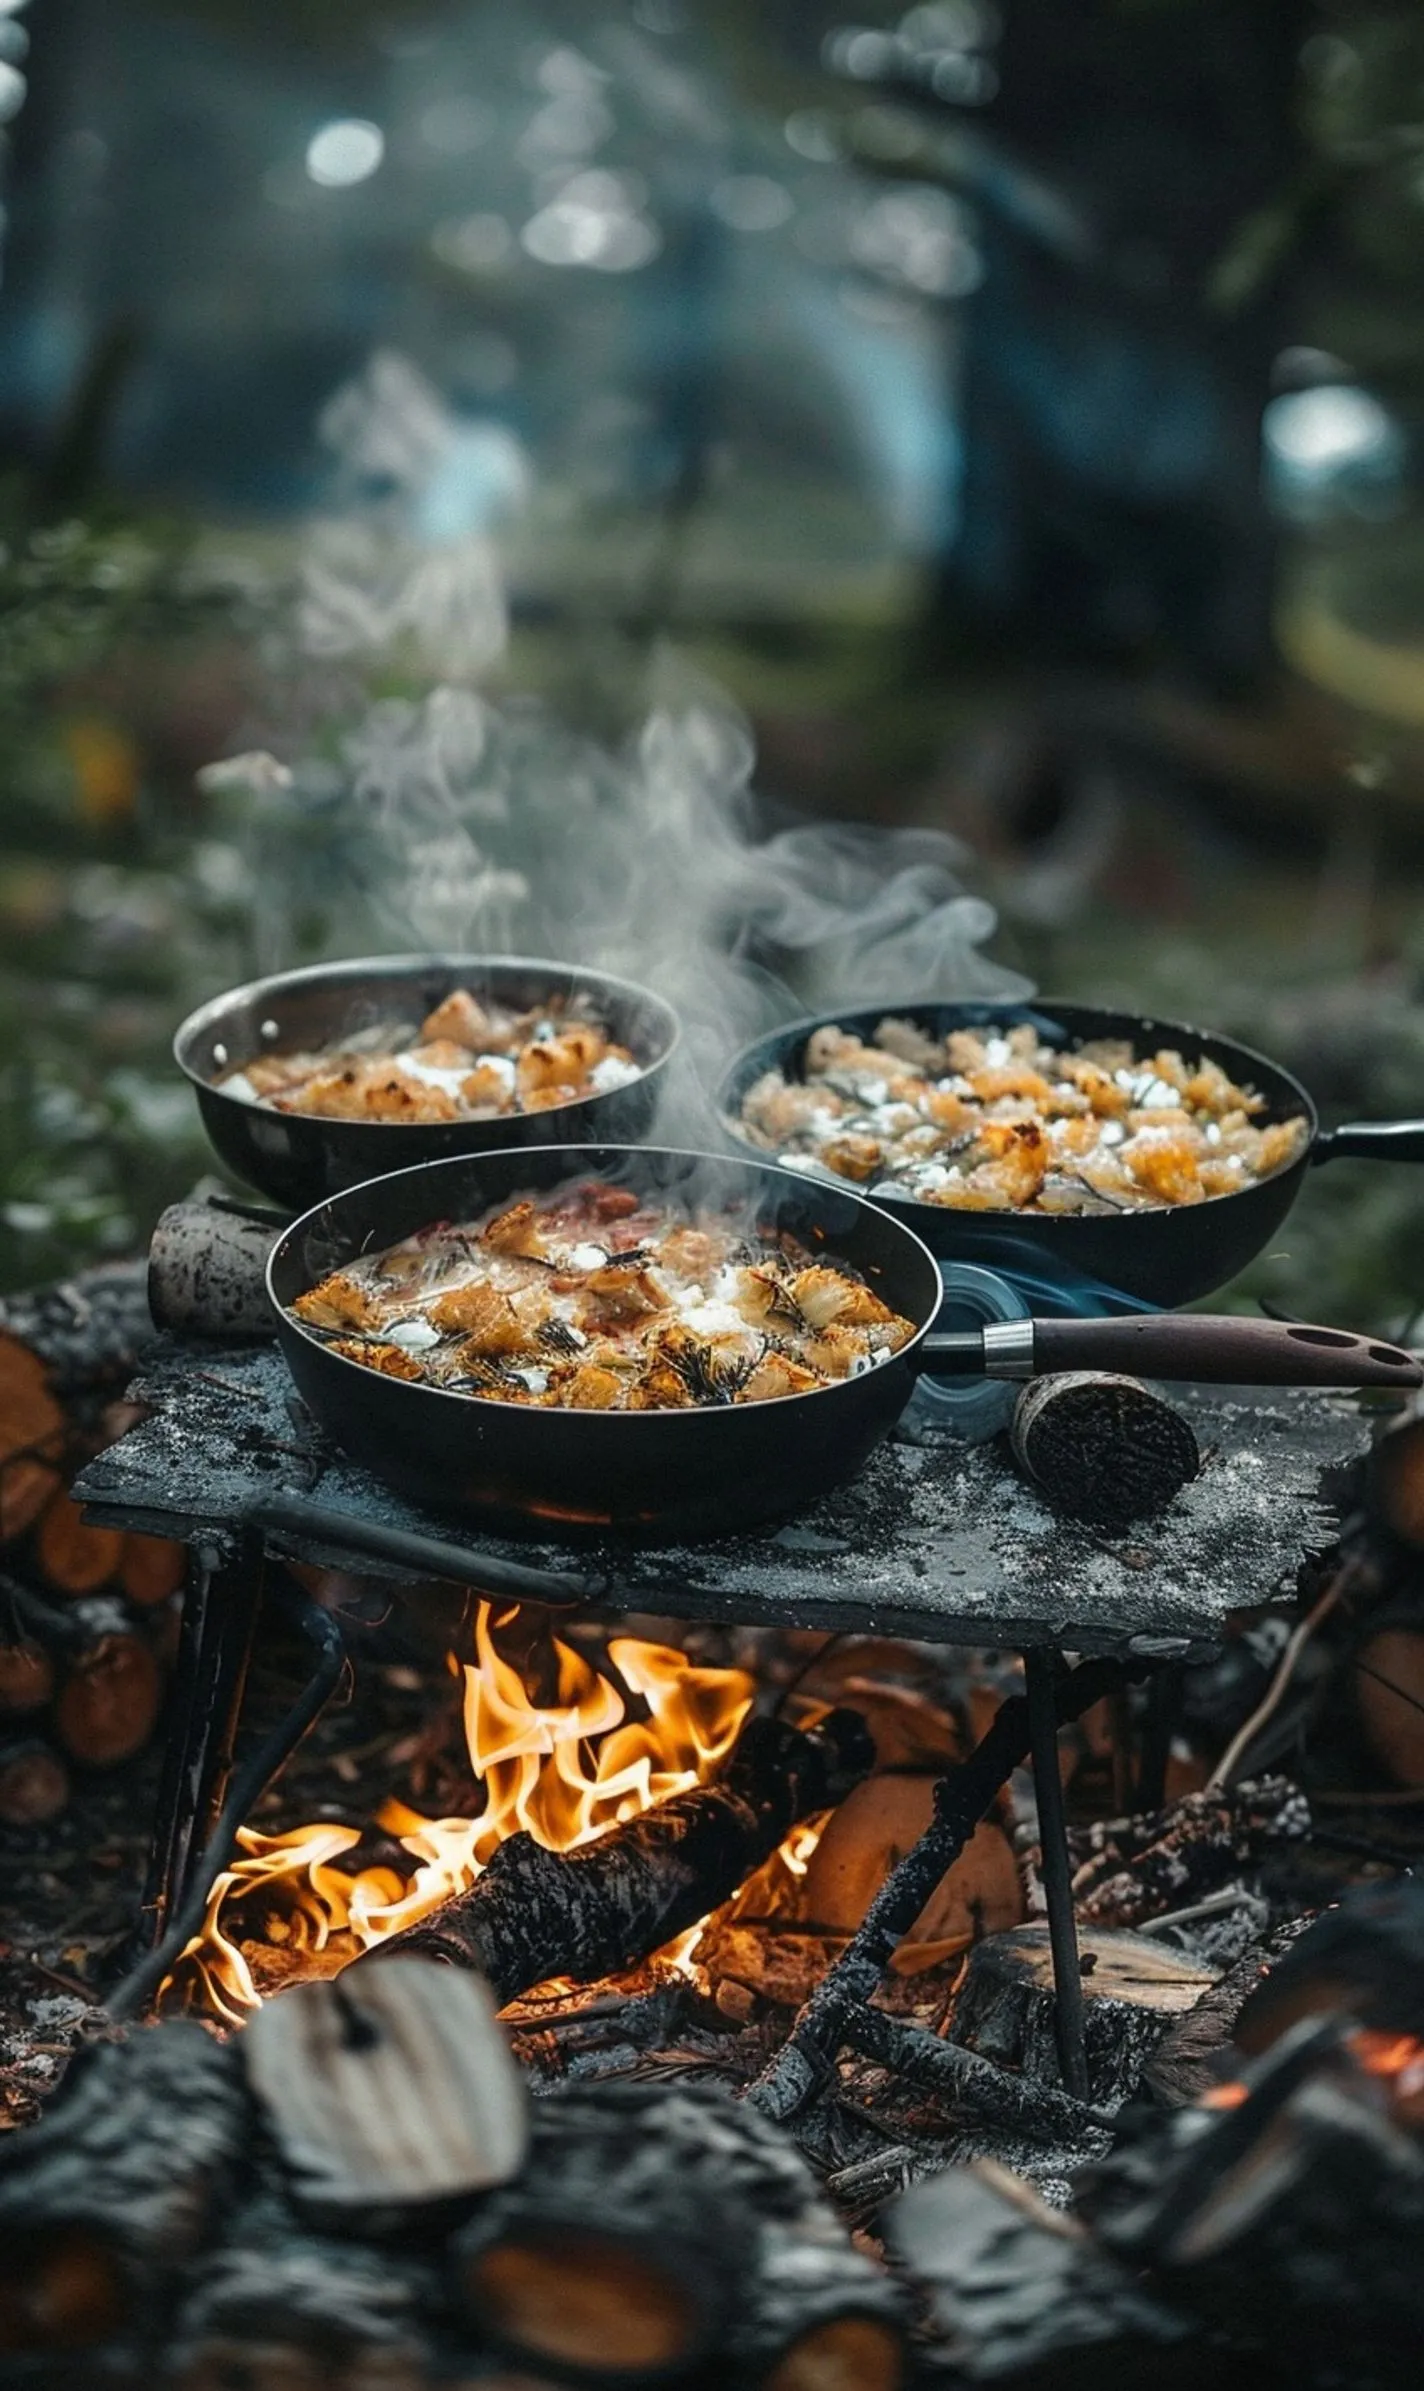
(962, 1797)
(992, 2095)
(88, 1333)
(1102, 1448)
(1128, 1870)
(655, 2224)
(207, 1273)
(124, 2178)
(1290, 2214)
(596, 1911)
(1133, 1990)
(1363, 1960)
(1020, 2295)
(303, 2316)
(1198, 2051)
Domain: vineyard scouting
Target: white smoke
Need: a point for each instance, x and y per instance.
(494, 828)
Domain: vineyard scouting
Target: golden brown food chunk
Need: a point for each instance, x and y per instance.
(852, 1156)
(592, 1388)
(1166, 1166)
(777, 1375)
(339, 1302)
(1009, 1079)
(375, 1092)
(545, 1099)
(391, 1360)
(466, 1022)
(515, 1231)
(618, 1294)
(441, 1054)
(487, 1089)
(691, 1252)
(486, 1318)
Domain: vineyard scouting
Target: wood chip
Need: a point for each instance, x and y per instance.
(389, 2088)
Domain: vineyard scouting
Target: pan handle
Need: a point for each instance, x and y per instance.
(1372, 1141)
(1224, 1349)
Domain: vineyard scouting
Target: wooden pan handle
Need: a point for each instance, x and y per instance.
(1220, 1348)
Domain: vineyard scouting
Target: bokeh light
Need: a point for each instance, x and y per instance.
(346, 151)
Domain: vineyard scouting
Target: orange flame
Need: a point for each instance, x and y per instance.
(1397, 2059)
(564, 1773)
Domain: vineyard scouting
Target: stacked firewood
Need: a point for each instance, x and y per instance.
(86, 1615)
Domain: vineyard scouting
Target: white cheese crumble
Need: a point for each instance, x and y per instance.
(613, 1072)
(413, 1336)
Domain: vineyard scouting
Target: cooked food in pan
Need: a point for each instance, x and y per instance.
(1001, 1122)
(593, 1298)
(469, 1060)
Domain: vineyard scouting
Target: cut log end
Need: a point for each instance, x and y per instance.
(34, 1784)
(590, 2299)
(75, 1556)
(26, 1678)
(108, 1706)
(1133, 1991)
(1102, 1448)
(851, 2353)
(1387, 1694)
(60, 2292)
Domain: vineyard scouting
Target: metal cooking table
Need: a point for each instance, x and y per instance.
(935, 1540)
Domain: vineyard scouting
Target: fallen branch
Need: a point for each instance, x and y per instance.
(962, 1797)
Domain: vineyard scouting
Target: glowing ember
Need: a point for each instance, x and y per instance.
(564, 1772)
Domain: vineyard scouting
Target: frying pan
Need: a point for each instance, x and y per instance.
(705, 1471)
(1169, 1256)
(297, 1159)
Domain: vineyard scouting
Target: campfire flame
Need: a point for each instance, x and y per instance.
(563, 1771)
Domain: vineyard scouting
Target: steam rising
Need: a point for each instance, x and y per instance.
(494, 828)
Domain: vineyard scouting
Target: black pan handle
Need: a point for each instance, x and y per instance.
(1371, 1141)
(1223, 1349)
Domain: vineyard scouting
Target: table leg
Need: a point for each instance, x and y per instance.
(220, 1608)
(1057, 1875)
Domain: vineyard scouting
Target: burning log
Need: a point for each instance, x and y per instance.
(1128, 1870)
(1102, 1448)
(1019, 2294)
(591, 1912)
(1193, 2055)
(207, 1272)
(122, 2181)
(654, 2225)
(391, 2090)
(1133, 1989)
(34, 1783)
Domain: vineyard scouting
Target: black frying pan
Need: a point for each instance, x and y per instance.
(297, 1159)
(1166, 1257)
(705, 1471)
